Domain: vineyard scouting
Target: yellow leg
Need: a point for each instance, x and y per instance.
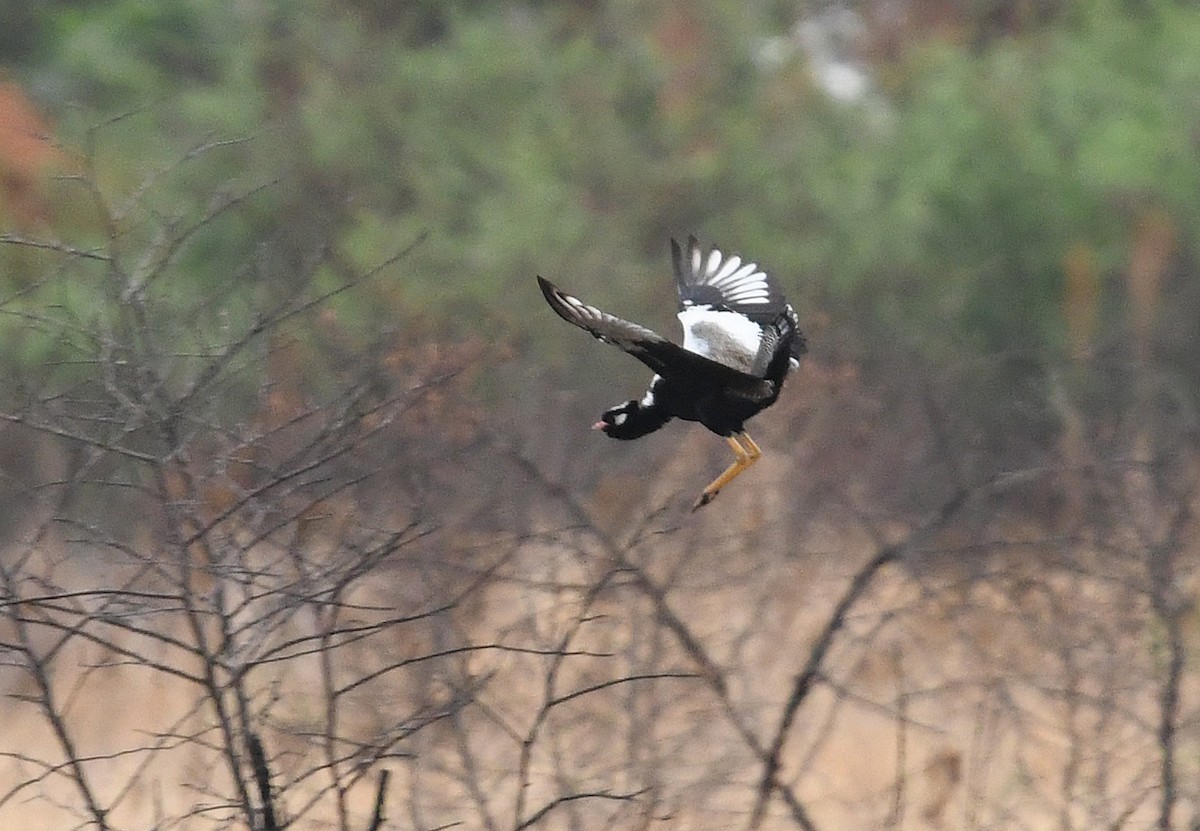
(751, 446)
(747, 452)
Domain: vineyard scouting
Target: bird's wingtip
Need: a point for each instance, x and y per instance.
(551, 293)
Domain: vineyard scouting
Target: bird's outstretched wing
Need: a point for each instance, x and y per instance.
(713, 281)
(667, 359)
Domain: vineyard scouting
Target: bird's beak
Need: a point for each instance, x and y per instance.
(599, 425)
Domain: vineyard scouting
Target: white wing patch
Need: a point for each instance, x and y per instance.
(648, 398)
(725, 337)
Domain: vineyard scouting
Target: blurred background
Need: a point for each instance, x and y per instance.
(277, 364)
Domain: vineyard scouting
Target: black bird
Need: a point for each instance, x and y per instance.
(740, 339)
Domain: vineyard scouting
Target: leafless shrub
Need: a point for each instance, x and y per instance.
(265, 571)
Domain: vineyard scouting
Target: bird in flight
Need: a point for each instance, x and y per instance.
(740, 339)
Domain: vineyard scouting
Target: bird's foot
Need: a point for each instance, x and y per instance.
(705, 498)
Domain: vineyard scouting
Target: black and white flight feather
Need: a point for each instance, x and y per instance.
(728, 309)
(740, 339)
(667, 359)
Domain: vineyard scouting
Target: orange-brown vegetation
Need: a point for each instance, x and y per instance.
(28, 156)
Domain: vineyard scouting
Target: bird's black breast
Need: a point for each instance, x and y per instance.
(717, 409)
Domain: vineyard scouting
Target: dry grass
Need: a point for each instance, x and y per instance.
(1010, 692)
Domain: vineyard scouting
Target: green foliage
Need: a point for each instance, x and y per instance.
(145, 291)
(993, 166)
(530, 138)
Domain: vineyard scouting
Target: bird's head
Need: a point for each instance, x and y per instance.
(619, 422)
